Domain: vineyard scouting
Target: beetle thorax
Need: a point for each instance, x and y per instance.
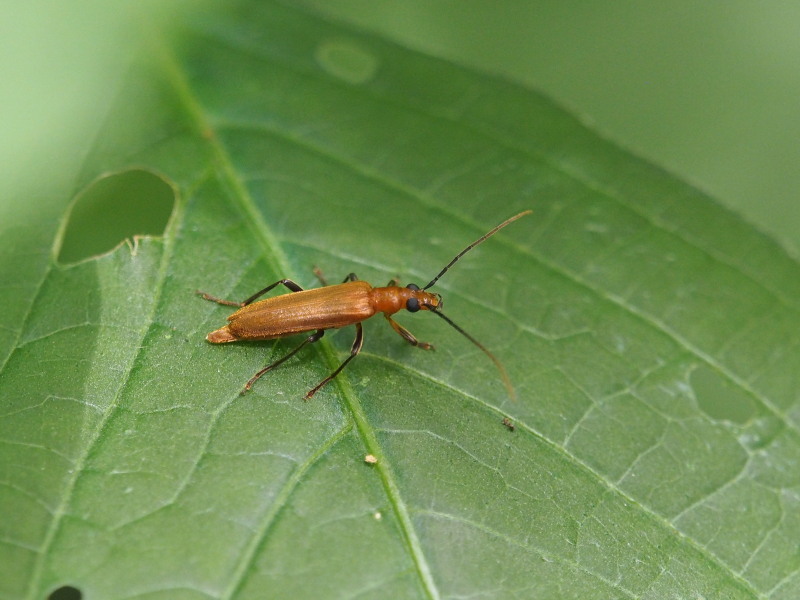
(392, 299)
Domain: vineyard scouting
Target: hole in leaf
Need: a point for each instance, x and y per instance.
(719, 399)
(65, 592)
(114, 208)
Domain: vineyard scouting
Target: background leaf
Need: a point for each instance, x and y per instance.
(652, 338)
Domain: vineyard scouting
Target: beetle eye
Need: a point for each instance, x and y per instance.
(412, 305)
(413, 286)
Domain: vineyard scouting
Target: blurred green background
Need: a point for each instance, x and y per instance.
(709, 91)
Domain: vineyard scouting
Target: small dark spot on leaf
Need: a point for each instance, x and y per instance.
(114, 208)
(65, 592)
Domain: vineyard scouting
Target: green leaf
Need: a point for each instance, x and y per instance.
(652, 338)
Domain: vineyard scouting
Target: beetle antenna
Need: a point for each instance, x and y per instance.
(498, 364)
(475, 243)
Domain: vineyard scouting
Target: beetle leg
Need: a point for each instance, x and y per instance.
(407, 335)
(288, 283)
(219, 300)
(309, 340)
(318, 274)
(357, 343)
(394, 282)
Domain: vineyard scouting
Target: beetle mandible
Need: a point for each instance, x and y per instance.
(334, 306)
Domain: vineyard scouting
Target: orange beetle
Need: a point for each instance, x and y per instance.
(334, 306)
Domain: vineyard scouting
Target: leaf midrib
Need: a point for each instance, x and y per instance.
(280, 263)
